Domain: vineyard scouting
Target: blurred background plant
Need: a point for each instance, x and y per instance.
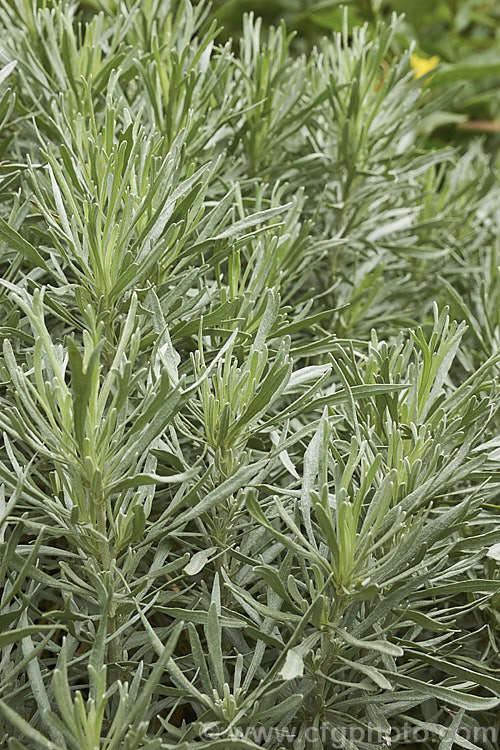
(463, 34)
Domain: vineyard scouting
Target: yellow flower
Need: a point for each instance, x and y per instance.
(423, 65)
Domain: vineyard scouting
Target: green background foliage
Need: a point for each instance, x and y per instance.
(465, 34)
(249, 393)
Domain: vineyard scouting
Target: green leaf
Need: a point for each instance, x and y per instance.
(451, 734)
(375, 676)
(494, 552)
(293, 666)
(240, 479)
(455, 697)
(13, 636)
(450, 73)
(199, 560)
(213, 632)
(23, 727)
(383, 647)
(429, 623)
(7, 70)
(20, 245)
(82, 383)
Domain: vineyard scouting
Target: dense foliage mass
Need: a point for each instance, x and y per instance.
(463, 34)
(250, 464)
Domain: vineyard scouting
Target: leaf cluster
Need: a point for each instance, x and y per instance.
(249, 390)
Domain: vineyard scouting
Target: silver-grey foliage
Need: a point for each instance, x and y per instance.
(250, 464)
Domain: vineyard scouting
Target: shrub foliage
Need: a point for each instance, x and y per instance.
(249, 396)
